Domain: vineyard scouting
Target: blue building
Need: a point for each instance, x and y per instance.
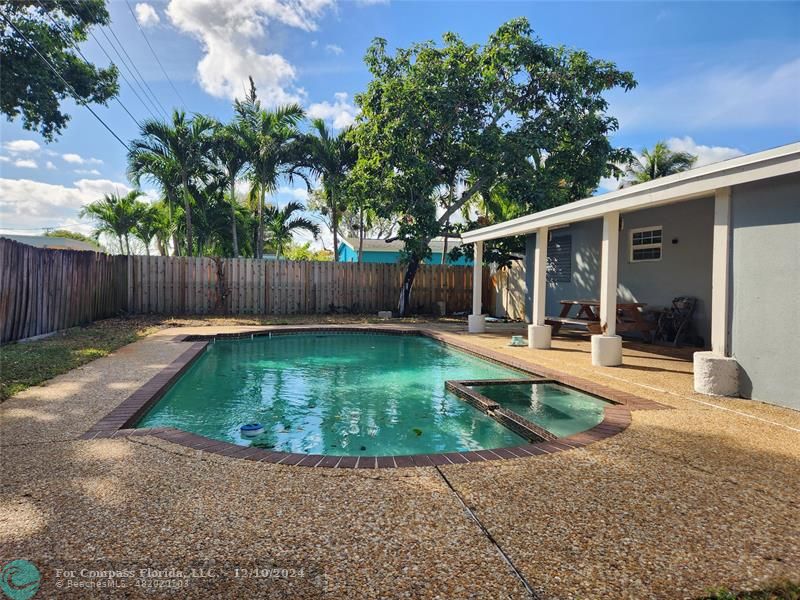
(381, 251)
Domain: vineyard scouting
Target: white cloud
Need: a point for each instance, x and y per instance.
(706, 155)
(341, 113)
(715, 99)
(19, 146)
(232, 33)
(146, 15)
(314, 43)
(334, 49)
(77, 159)
(50, 165)
(4, 159)
(29, 204)
(87, 171)
(297, 194)
(25, 163)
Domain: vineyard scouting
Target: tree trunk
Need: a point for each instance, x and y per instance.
(127, 245)
(187, 207)
(121, 245)
(176, 247)
(147, 248)
(233, 218)
(444, 248)
(260, 233)
(408, 282)
(361, 235)
(334, 222)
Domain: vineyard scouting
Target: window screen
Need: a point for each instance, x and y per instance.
(559, 259)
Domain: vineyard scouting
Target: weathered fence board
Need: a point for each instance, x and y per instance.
(179, 285)
(47, 290)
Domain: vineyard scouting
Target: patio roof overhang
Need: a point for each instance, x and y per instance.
(701, 182)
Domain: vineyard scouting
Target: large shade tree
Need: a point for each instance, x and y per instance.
(465, 119)
(178, 149)
(36, 34)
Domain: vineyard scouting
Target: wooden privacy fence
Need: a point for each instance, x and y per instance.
(178, 285)
(47, 290)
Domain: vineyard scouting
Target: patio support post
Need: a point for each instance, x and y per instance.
(607, 347)
(476, 321)
(716, 372)
(539, 334)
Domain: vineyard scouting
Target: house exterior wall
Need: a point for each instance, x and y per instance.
(683, 270)
(765, 289)
(347, 254)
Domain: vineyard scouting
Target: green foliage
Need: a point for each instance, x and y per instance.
(117, 216)
(281, 223)
(28, 87)
(306, 252)
(440, 124)
(73, 235)
(658, 162)
(785, 590)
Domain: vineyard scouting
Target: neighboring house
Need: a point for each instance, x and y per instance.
(52, 243)
(727, 234)
(381, 251)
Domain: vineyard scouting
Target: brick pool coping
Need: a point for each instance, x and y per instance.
(120, 421)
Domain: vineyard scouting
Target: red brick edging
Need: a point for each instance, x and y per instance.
(120, 422)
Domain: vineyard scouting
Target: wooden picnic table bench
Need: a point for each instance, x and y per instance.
(629, 317)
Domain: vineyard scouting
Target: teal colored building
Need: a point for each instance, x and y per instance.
(381, 251)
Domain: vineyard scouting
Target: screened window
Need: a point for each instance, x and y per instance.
(645, 244)
(559, 259)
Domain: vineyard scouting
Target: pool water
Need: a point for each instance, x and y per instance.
(336, 394)
(560, 410)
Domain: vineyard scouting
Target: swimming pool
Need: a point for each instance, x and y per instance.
(334, 394)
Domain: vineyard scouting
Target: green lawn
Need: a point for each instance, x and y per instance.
(780, 591)
(30, 363)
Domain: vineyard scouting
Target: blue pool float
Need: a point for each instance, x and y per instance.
(252, 429)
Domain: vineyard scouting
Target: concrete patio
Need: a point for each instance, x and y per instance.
(683, 500)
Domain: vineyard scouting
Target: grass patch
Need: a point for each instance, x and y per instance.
(780, 591)
(25, 364)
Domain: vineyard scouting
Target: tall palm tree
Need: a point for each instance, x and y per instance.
(115, 215)
(271, 138)
(229, 149)
(658, 162)
(329, 157)
(182, 146)
(147, 224)
(280, 224)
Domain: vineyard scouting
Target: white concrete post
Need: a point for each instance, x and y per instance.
(607, 347)
(539, 334)
(476, 321)
(716, 372)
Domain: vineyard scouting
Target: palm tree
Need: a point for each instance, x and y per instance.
(147, 224)
(281, 223)
(229, 149)
(329, 157)
(115, 215)
(180, 148)
(271, 139)
(658, 162)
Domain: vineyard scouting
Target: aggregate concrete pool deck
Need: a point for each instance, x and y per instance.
(682, 500)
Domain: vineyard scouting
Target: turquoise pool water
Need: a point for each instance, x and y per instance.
(338, 394)
(560, 410)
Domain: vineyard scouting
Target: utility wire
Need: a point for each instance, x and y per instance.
(155, 55)
(86, 60)
(67, 83)
(133, 70)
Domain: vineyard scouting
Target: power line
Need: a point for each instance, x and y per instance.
(67, 83)
(86, 60)
(155, 55)
(133, 70)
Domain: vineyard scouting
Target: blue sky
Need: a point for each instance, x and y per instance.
(718, 79)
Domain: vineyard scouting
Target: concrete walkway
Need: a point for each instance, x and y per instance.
(683, 500)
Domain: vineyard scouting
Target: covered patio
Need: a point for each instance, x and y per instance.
(716, 371)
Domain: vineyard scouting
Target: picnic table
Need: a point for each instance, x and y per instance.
(629, 317)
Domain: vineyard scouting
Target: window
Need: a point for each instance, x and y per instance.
(645, 244)
(559, 259)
